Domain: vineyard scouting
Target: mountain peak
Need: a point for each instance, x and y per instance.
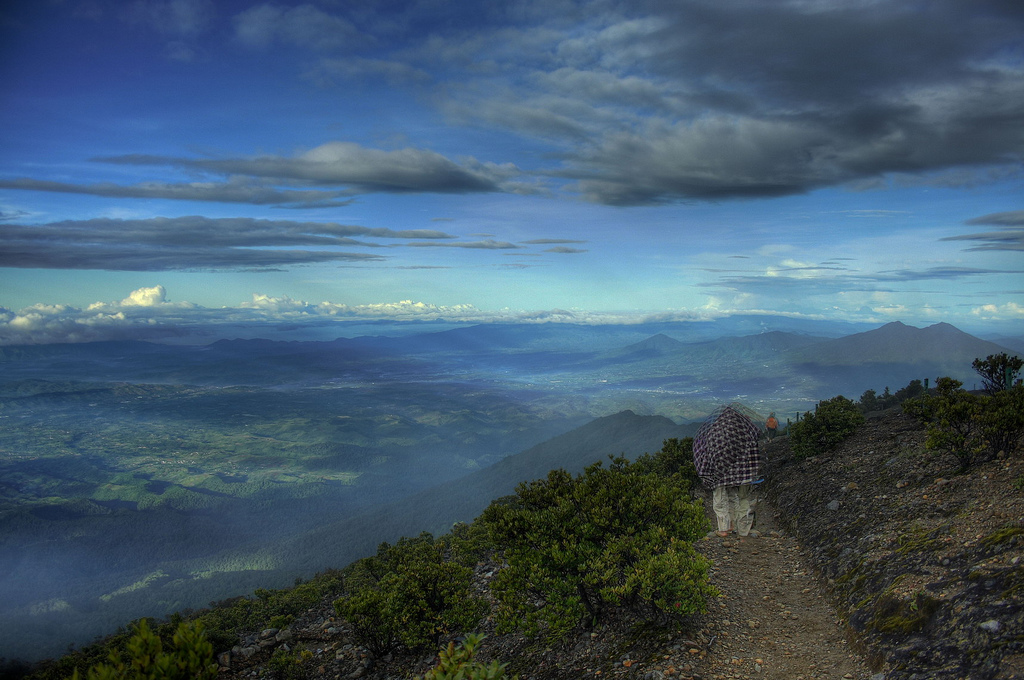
(941, 344)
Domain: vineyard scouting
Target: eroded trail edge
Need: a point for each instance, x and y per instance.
(773, 618)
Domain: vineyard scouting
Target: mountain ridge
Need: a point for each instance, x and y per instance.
(461, 500)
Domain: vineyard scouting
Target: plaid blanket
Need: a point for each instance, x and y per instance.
(725, 448)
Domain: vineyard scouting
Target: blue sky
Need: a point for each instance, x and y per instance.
(169, 167)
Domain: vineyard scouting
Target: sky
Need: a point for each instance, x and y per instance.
(175, 170)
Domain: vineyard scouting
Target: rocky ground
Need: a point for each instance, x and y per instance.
(876, 561)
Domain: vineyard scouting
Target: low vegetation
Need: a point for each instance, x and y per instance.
(458, 663)
(413, 593)
(970, 427)
(821, 431)
(614, 537)
(574, 550)
(145, 658)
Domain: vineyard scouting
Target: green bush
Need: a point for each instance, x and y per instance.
(833, 421)
(457, 663)
(998, 371)
(411, 593)
(290, 665)
(1002, 420)
(613, 537)
(970, 427)
(872, 401)
(674, 458)
(190, 659)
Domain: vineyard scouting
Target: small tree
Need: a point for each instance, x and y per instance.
(410, 593)
(998, 371)
(833, 421)
(457, 663)
(1002, 420)
(953, 417)
(191, 657)
(869, 401)
(613, 537)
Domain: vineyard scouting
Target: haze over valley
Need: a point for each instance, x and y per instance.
(141, 479)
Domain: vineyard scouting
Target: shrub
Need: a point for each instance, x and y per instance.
(1002, 420)
(190, 659)
(872, 401)
(953, 419)
(998, 371)
(968, 426)
(833, 421)
(457, 663)
(409, 593)
(612, 537)
(675, 457)
(290, 665)
(869, 401)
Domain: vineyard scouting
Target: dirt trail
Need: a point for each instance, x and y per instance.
(773, 620)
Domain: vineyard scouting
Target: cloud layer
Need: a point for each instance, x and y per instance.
(634, 103)
(148, 314)
(190, 243)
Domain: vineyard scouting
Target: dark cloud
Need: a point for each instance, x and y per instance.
(565, 250)
(344, 164)
(221, 192)
(115, 258)
(1014, 218)
(488, 244)
(1009, 237)
(636, 103)
(933, 273)
(189, 243)
(6, 215)
(708, 100)
(550, 241)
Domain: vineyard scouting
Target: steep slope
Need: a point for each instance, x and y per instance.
(925, 563)
(463, 499)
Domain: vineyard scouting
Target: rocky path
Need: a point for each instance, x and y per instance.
(772, 620)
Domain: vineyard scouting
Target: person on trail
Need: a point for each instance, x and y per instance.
(772, 425)
(728, 461)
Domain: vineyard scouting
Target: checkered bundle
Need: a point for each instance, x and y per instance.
(725, 448)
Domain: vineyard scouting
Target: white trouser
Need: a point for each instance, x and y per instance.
(734, 507)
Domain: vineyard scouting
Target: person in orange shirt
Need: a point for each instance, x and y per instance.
(772, 425)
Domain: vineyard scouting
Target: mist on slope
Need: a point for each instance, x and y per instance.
(140, 479)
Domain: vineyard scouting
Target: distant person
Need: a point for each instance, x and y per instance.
(772, 425)
(728, 461)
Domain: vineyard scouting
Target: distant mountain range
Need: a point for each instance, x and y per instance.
(647, 367)
(892, 356)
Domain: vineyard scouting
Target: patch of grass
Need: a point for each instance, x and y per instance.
(894, 614)
(1002, 535)
(917, 539)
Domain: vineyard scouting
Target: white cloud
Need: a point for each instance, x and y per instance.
(146, 297)
(145, 314)
(1008, 311)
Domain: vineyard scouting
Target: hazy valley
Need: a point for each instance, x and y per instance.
(139, 479)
